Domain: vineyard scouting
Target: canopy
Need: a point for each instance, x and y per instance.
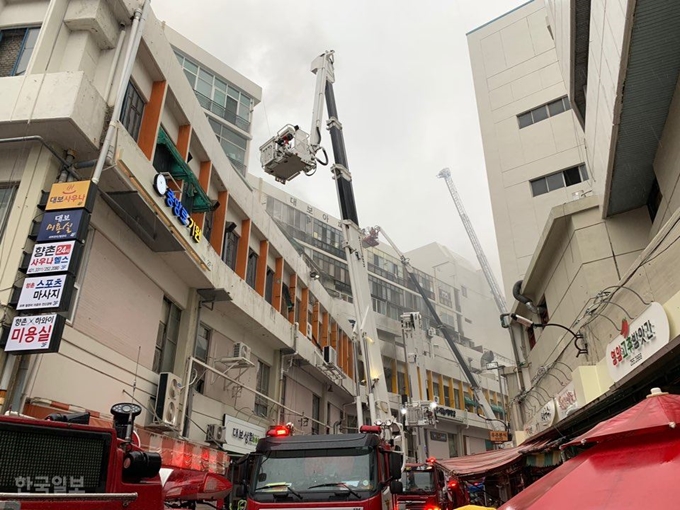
(482, 463)
(605, 477)
(657, 412)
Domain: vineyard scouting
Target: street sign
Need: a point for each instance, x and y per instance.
(58, 257)
(498, 436)
(46, 293)
(71, 195)
(35, 334)
(64, 225)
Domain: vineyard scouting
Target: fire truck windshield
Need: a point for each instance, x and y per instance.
(315, 472)
(415, 481)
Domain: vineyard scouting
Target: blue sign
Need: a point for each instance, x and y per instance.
(63, 226)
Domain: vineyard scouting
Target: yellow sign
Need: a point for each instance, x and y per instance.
(498, 436)
(68, 195)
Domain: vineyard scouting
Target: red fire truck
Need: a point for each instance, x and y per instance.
(63, 463)
(429, 487)
(330, 471)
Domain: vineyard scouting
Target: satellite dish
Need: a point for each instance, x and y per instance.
(487, 357)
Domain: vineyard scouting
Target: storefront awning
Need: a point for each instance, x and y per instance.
(484, 463)
(175, 165)
(471, 402)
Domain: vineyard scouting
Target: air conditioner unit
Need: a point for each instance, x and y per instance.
(168, 400)
(216, 433)
(330, 355)
(431, 332)
(241, 350)
(309, 331)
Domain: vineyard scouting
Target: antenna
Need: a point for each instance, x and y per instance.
(134, 384)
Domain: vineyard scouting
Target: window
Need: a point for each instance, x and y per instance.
(558, 180)
(456, 297)
(233, 145)
(435, 390)
(445, 298)
(261, 404)
(453, 441)
(316, 405)
(201, 352)
(269, 287)
(132, 111)
(7, 193)
(251, 271)
(463, 290)
(16, 49)
(456, 399)
(230, 249)
(531, 337)
(208, 221)
(401, 383)
(653, 201)
(543, 112)
(447, 396)
(543, 309)
(166, 340)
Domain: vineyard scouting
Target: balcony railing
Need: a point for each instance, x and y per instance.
(222, 112)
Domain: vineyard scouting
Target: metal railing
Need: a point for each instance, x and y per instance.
(222, 112)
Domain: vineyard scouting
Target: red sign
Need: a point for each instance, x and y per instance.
(35, 334)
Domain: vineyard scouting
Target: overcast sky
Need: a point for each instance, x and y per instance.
(404, 93)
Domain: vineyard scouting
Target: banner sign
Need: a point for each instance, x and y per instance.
(52, 258)
(241, 436)
(64, 225)
(46, 293)
(638, 341)
(566, 401)
(35, 334)
(71, 195)
(175, 205)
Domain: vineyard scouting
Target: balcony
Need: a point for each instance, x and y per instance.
(222, 112)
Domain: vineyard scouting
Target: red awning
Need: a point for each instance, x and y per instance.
(482, 463)
(639, 472)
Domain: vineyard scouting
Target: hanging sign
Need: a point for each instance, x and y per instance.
(638, 341)
(63, 225)
(58, 257)
(177, 208)
(46, 293)
(71, 195)
(566, 401)
(498, 436)
(241, 436)
(35, 334)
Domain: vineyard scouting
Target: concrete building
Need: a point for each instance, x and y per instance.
(152, 294)
(458, 290)
(533, 143)
(605, 265)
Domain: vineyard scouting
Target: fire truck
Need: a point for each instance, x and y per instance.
(321, 471)
(63, 463)
(427, 486)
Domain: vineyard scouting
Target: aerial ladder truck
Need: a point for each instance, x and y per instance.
(339, 470)
(372, 240)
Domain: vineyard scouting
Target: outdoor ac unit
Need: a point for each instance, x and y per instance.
(241, 350)
(330, 355)
(431, 332)
(309, 331)
(168, 400)
(216, 433)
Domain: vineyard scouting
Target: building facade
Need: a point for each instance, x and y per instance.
(604, 265)
(533, 143)
(459, 293)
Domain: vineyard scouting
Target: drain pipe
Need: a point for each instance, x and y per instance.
(133, 45)
(114, 64)
(517, 294)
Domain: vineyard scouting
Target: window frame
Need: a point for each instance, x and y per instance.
(543, 182)
(262, 385)
(165, 338)
(199, 385)
(27, 31)
(128, 107)
(529, 114)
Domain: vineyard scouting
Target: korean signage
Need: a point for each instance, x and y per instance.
(53, 258)
(447, 412)
(438, 436)
(498, 436)
(175, 205)
(638, 341)
(241, 436)
(566, 401)
(45, 293)
(35, 334)
(63, 225)
(542, 420)
(71, 195)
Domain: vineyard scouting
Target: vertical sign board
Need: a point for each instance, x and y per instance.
(645, 336)
(46, 293)
(63, 225)
(37, 334)
(71, 195)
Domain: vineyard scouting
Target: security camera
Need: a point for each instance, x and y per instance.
(522, 320)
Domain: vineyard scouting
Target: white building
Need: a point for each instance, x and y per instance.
(533, 143)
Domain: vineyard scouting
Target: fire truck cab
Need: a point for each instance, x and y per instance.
(428, 486)
(338, 471)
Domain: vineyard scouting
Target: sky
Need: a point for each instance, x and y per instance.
(404, 93)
